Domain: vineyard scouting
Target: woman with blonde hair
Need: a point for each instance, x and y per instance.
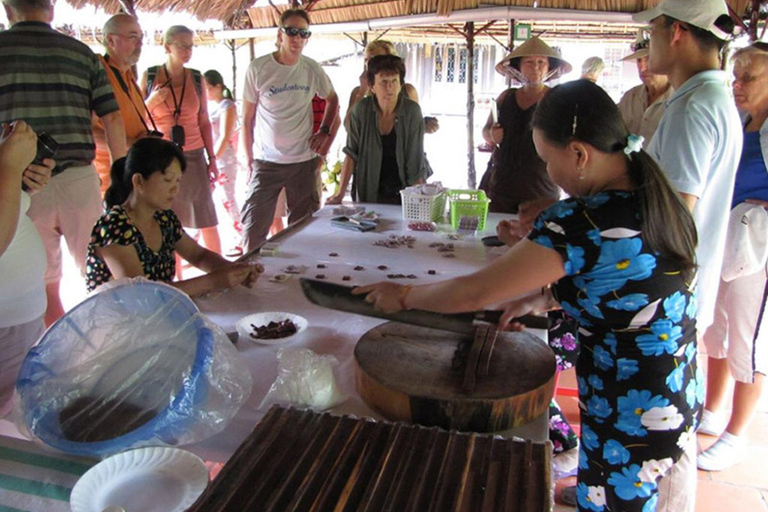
(177, 101)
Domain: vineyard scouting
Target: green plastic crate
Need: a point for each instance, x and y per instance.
(468, 203)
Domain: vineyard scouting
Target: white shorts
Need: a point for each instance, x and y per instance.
(68, 206)
(740, 326)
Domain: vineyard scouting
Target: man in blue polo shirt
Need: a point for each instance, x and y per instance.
(698, 144)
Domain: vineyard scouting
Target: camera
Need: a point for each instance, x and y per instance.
(177, 135)
(46, 147)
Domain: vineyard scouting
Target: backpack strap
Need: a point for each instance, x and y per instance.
(151, 76)
(197, 77)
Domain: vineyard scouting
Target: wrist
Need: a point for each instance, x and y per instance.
(404, 291)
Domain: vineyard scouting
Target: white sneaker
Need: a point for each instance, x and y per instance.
(712, 424)
(727, 451)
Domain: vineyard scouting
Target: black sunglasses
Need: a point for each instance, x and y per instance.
(639, 46)
(293, 32)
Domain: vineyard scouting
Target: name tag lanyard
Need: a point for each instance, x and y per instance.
(176, 104)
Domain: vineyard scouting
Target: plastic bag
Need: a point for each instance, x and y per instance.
(305, 379)
(135, 364)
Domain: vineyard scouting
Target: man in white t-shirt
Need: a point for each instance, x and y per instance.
(277, 129)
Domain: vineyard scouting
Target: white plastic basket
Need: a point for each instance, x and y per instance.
(422, 207)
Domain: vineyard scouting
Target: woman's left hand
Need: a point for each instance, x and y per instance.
(385, 296)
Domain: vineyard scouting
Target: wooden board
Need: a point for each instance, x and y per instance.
(303, 461)
(405, 372)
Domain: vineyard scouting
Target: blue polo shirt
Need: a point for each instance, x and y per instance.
(698, 145)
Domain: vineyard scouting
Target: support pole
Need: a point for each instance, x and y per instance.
(470, 35)
(233, 49)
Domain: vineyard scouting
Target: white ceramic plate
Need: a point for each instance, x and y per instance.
(244, 328)
(154, 479)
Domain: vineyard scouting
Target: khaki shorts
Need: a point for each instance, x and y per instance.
(68, 206)
(740, 327)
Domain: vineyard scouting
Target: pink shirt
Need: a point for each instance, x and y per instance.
(190, 110)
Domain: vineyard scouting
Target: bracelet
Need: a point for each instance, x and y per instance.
(403, 294)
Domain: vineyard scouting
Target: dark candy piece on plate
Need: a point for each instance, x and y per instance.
(382, 267)
(333, 254)
(346, 278)
(359, 268)
(431, 272)
(320, 276)
(320, 265)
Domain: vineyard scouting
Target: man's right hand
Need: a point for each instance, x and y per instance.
(18, 147)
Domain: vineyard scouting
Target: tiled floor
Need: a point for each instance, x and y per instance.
(743, 488)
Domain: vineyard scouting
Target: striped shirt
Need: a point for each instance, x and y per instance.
(53, 82)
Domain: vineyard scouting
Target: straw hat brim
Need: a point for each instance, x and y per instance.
(534, 47)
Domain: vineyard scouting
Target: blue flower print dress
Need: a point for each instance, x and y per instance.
(640, 390)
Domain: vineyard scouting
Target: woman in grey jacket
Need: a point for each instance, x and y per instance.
(385, 141)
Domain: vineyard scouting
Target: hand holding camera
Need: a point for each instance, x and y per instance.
(17, 147)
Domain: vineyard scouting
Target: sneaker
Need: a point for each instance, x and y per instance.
(727, 451)
(712, 424)
(234, 252)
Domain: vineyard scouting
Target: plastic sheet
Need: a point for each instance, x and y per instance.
(134, 365)
(304, 379)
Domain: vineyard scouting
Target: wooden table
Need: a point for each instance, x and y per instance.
(332, 332)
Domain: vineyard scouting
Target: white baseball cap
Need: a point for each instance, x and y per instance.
(699, 13)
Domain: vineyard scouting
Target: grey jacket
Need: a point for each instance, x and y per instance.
(364, 146)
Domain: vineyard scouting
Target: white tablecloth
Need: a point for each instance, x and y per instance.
(329, 332)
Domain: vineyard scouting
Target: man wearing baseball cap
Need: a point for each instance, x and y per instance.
(642, 106)
(698, 144)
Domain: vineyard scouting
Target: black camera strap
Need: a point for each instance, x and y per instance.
(177, 104)
(127, 91)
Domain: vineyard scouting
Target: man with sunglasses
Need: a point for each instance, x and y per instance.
(277, 129)
(642, 106)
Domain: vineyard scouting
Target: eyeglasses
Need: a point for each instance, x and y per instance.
(642, 45)
(293, 32)
(183, 46)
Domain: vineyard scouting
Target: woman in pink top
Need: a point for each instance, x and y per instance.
(177, 100)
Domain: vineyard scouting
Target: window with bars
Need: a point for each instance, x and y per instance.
(438, 63)
(451, 64)
(450, 67)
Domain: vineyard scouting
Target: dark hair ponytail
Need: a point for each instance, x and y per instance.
(583, 111)
(214, 78)
(146, 157)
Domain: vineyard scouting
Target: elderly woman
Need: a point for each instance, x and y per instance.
(621, 265)
(385, 141)
(515, 174)
(177, 101)
(737, 341)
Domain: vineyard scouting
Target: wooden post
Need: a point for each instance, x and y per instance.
(510, 45)
(251, 48)
(470, 35)
(233, 49)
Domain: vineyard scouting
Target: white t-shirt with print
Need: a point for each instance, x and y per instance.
(283, 95)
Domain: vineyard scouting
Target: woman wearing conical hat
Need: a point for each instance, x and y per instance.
(516, 176)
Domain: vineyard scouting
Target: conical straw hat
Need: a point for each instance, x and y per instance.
(534, 47)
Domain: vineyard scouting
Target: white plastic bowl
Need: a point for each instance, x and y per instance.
(244, 328)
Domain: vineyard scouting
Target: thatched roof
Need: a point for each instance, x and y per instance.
(261, 14)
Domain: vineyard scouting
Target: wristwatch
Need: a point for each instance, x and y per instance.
(325, 129)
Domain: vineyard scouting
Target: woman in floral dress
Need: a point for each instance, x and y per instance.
(619, 255)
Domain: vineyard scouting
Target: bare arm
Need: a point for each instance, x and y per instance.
(249, 120)
(411, 93)
(317, 140)
(205, 130)
(16, 152)
(115, 131)
(524, 268)
(493, 133)
(689, 200)
(123, 261)
(347, 170)
(227, 128)
(358, 93)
